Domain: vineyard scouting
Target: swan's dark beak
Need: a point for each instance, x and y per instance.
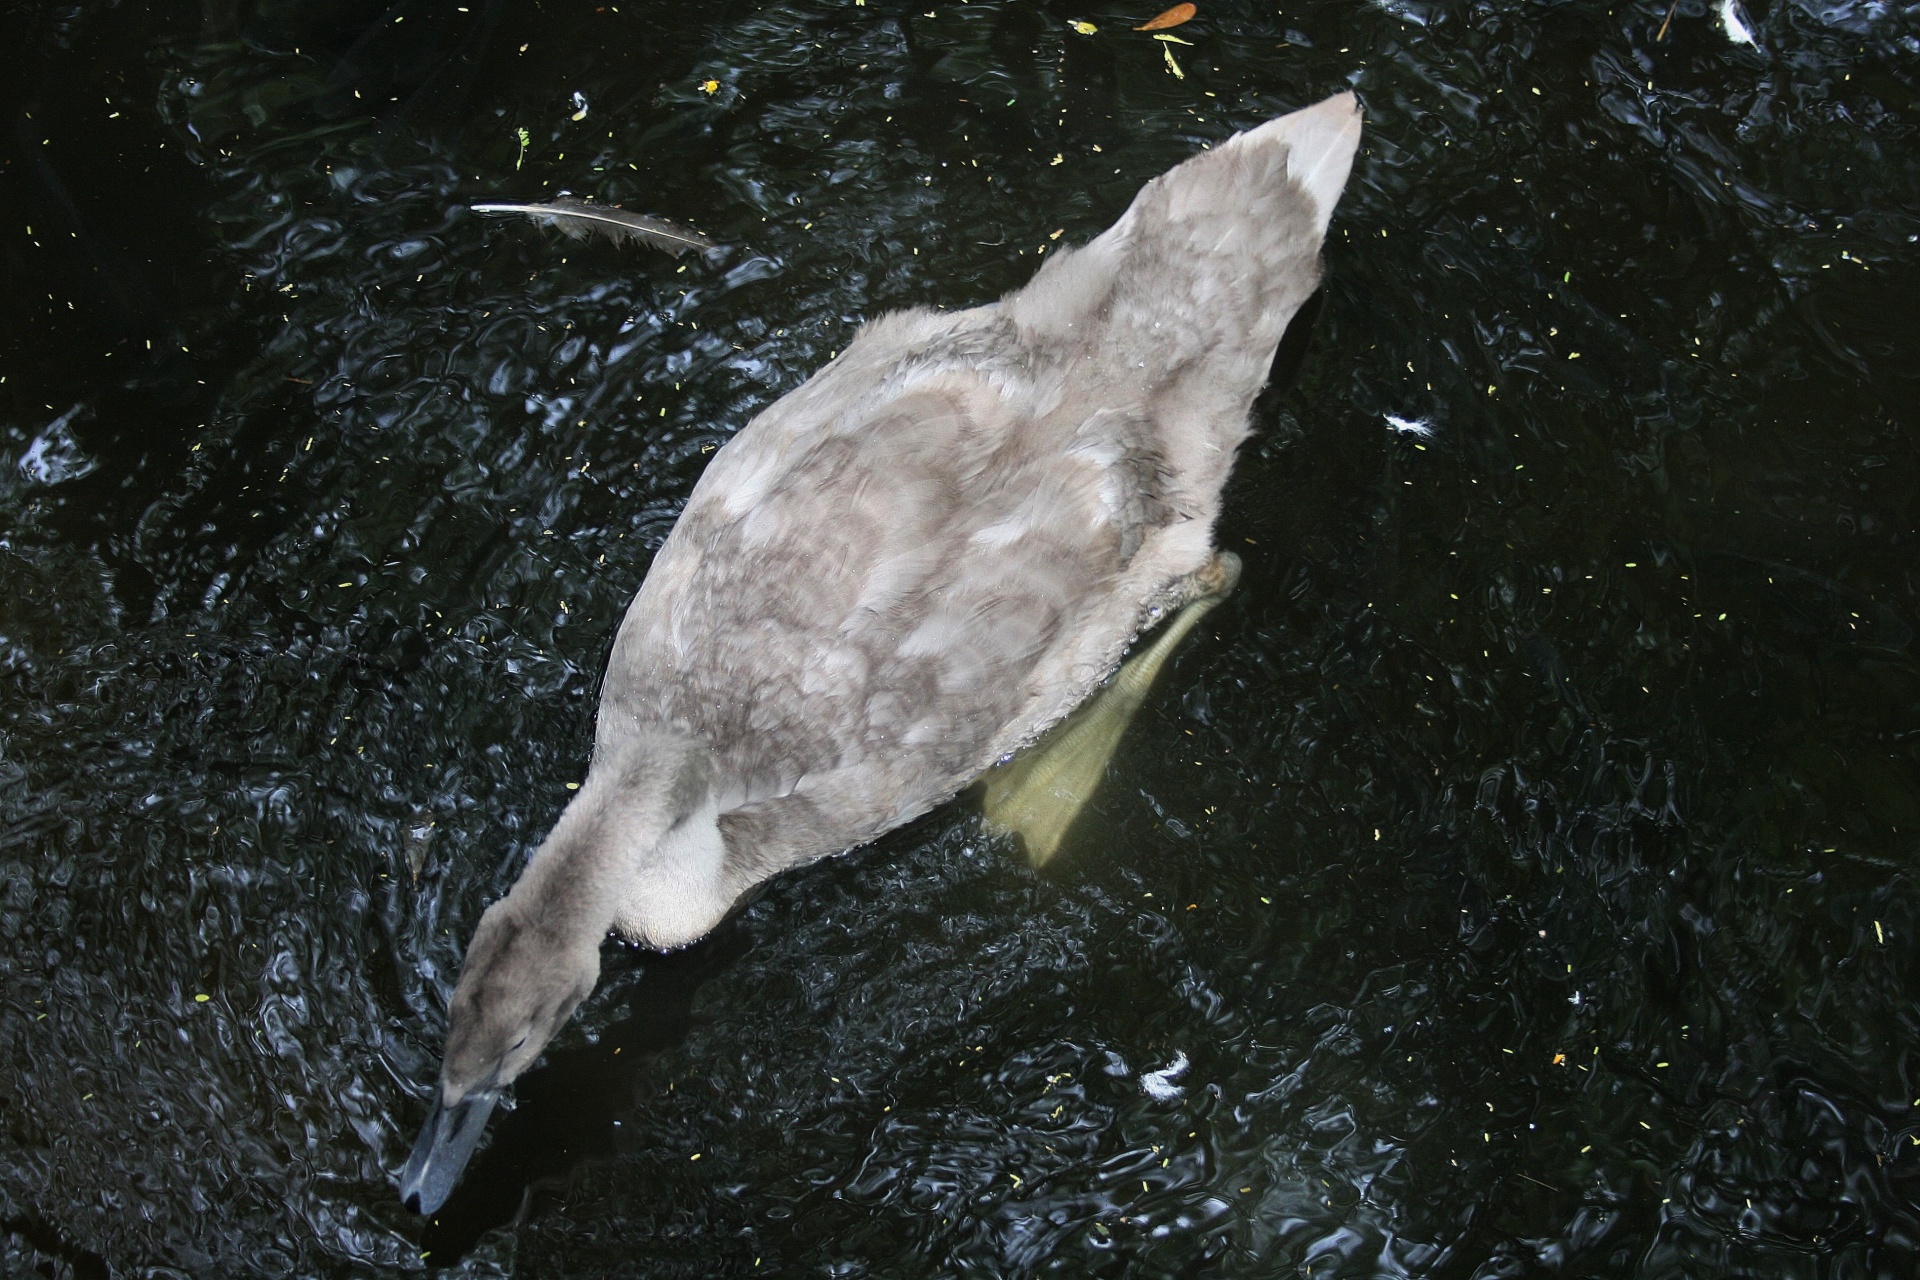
(446, 1142)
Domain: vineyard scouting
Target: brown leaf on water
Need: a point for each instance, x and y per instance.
(1171, 18)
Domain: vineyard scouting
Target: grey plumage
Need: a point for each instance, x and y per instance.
(582, 220)
(902, 572)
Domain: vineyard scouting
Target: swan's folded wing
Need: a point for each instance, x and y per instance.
(862, 605)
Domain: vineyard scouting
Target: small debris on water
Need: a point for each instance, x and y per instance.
(1171, 18)
(1733, 20)
(1159, 1085)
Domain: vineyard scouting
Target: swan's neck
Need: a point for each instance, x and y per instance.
(678, 893)
(638, 849)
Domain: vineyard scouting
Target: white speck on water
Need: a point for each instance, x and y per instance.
(55, 456)
(1159, 1085)
(1735, 21)
(1419, 427)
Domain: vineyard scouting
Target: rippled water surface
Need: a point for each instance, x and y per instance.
(1514, 878)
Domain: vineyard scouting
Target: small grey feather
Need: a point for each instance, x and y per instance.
(580, 220)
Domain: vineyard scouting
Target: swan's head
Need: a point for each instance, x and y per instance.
(523, 977)
(642, 828)
(521, 981)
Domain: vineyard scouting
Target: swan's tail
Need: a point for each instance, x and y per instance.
(1213, 256)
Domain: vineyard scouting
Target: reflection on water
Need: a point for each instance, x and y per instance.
(1519, 861)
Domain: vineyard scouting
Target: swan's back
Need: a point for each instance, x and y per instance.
(946, 538)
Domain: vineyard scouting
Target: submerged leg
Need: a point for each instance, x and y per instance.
(1041, 791)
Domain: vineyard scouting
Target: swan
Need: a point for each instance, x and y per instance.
(899, 574)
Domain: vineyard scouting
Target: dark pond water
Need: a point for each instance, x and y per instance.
(1521, 863)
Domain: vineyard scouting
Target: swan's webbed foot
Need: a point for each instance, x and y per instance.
(1039, 793)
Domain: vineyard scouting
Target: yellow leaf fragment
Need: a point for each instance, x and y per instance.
(1174, 40)
(1083, 27)
(709, 86)
(1173, 66)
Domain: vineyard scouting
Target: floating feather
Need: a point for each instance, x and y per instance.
(1734, 21)
(579, 220)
